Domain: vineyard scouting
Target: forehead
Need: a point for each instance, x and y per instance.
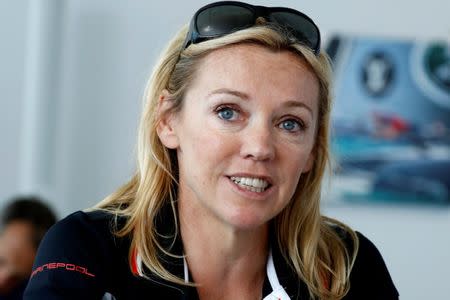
(278, 73)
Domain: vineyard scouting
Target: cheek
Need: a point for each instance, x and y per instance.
(295, 164)
(202, 147)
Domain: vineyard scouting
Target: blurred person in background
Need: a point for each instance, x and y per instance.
(24, 222)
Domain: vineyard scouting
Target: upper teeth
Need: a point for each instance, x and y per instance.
(252, 182)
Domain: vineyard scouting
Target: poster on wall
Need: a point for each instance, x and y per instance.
(391, 120)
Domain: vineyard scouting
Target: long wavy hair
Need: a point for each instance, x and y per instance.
(311, 243)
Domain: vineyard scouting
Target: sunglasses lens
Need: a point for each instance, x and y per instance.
(302, 28)
(220, 20)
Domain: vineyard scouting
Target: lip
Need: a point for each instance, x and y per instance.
(250, 194)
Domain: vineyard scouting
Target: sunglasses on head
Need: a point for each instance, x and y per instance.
(224, 17)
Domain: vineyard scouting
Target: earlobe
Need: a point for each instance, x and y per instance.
(166, 128)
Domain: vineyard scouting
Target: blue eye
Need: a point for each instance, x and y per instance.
(227, 113)
(290, 125)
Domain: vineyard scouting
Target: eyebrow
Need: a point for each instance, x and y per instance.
(239, 94)
(244, 96)
(292, 103)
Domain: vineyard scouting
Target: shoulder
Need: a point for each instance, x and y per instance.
(98, 218)
(370, 278)
(79, 231)
(367, 251)
(367, 256)
(81, 227)
(80, 250)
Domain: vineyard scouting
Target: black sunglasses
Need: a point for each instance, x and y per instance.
(224, 17)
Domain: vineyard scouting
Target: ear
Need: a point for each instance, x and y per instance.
(166, 128)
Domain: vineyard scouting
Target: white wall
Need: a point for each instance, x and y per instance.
(101, 54)
(12, 48)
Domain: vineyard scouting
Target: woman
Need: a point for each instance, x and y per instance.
(233, 144)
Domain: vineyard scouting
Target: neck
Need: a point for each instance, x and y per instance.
(219, 255)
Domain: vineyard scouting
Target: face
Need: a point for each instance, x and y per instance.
(245, 134)
(16, 255)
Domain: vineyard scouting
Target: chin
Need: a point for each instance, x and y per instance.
(247, 222)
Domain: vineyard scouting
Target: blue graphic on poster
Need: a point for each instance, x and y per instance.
(391, 120)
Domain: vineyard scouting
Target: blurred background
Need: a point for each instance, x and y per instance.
(72, 77)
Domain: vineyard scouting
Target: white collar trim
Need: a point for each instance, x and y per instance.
(278, 292)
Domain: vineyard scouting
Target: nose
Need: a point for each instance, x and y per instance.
(258, 142)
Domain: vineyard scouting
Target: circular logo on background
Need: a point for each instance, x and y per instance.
(430, 68)
(377, 74)
(437, 65)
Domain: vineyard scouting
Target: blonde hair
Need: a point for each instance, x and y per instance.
(311, 243)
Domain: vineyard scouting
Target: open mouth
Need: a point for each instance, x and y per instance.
(256, 185)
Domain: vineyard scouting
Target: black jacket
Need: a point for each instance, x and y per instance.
(80, 258)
